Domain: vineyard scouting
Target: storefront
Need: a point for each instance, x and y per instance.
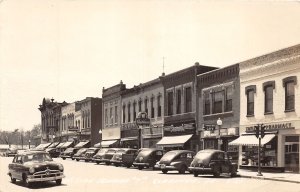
(279, 147)
(152, 135)
(129, 136)
(179, 137)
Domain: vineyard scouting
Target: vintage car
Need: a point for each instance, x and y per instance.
(68, 153)
(88, 156)
(148, 158)
(107, 156)
(178, 160)
(80, 153)
(117, 157)
(214, 162)
(99, 155)
(35, 166)
(53, 152)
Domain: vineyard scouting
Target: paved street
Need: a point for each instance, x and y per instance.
(81, 176)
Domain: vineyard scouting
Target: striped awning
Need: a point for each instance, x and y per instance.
(108, 143)
(174, 141)
(129, 138)
(251, 140)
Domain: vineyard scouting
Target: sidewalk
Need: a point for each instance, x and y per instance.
(284, 177)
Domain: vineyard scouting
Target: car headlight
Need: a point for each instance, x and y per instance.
(31, 170)
(60, 167)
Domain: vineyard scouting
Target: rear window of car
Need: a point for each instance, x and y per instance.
(111, 151)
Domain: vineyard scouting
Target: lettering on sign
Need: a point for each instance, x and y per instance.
(208, 127)
(273, 127)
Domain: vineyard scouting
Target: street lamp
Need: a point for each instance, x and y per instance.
(219, 123)
(100, 133)
(29, 143)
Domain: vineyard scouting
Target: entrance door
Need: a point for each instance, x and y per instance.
(292, 153)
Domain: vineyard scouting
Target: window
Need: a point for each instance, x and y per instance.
(106, 118)
(124, 113)
(146, 106)
(218, 102)
(134, 111)
(170, 103)
(206, 103)
(188, 99)
(250, 102)
(228, 99)
(268, 99)
(152, 107)
(111, 116)
(178, 102)
(290, 96)
(116, 114)
(158, 106)
(129, 112)
(140, 105)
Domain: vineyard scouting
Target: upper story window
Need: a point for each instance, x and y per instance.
(124, 116)
(170, 103)
(158, 106)
(250, 90)
(152, 107)
(228, 99)
(129, 116)
(134, 111)
(218, 102)
(140, 105)
(289, 86)
(188, 99)
(116, 114)
(146, 106)
(111, 116)
(106, 117)
(178, 101)
(268, 89)
(206, 103)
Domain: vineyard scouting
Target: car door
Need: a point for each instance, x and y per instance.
(18, 168)
(189, 158)
(12, 166)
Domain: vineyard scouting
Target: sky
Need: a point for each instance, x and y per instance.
(71, 49)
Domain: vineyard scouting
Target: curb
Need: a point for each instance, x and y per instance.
(271, 179)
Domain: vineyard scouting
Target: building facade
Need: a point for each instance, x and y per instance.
(111, 115)
(219, 102)
(146, 98)
(180, 103)
(67, 132)
(270, 95)
(50, 120)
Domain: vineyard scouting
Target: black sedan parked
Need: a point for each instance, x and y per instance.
(214, 162)
(178, 160)
(148, 157)
(68, 153)
(80, 153)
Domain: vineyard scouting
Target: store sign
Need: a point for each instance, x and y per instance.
(184, 129)
(273, 127)
(142, 119)
(73, 128)
(208, 127)
(128, 126)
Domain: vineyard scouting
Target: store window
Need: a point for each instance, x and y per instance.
(170, 103)
(218, 102)
(188, 99)
(178, 101)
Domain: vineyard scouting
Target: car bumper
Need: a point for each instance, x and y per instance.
(65, 156)
(167, 167)
(115, 161)
(54, 178)
(201, 169)
(141, 164)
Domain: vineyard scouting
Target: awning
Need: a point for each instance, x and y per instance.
(53, 145)
(66, 144)
(97, 145)
(129, 138)
(43, 146)
(108, 143)
(174, 141)
(251, 140)
(81, 144)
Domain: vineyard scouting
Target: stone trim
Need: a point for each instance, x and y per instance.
(289, 79)
(249, 88)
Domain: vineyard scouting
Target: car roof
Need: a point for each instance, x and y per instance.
(212, 150)
(151, 149)
(181, 151)
(29, 152)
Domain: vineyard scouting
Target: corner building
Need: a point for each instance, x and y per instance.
(270, 95)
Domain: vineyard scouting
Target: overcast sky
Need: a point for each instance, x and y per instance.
(70, 49)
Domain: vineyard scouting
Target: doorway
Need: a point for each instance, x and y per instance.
(292, 154)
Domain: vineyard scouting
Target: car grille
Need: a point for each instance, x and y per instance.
(46, 173)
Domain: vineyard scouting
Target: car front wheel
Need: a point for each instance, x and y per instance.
(13, 180)
(217, 173)
(58, 182)
(196, 174)
(164, 171)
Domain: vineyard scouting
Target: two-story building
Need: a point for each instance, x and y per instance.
(147, 98)
(67, 132)
(219, 109)
(111, 115)
(179, 131)
(270, 95)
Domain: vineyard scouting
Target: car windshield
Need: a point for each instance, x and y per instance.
(168, 156)
(203, 155)
(69, 150)
(37, 157)
(102, 151)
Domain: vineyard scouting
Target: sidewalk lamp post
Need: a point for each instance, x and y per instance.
(219, 123)
(29, 143)
(100, 133)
